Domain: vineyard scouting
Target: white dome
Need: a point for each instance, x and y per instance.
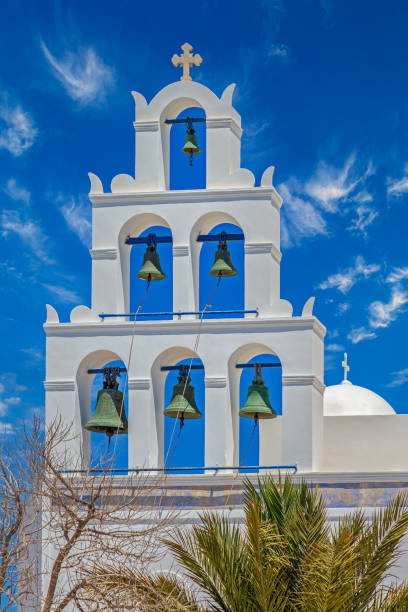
(347, 399)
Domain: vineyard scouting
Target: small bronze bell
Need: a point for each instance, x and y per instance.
(191, 147)
(222, 262)
(151, 268)
(257, 405)
(109, 415)
(183, 404)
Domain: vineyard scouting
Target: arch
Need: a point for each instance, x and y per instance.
(204, 225)
(244, 354)
(84, 382)
(134, 226)
(170, 356)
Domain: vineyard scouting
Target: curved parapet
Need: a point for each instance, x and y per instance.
(308, 307)
(96, 183)
(52, 315)
(267, 177)
(83, 314)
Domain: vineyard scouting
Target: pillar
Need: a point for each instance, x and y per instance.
(262, 279)
(183, 288)
(142, 446)
(218, 423)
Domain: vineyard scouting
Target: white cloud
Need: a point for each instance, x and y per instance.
(62, 294)
(383, 313)
(365, 216)
(344, 281)
(17, 129)
(77, 216)
(397, 187)
(334, 348)
(12, 401)
(278, 51)
(300, 218)
(360, 333)
(29, 232)
(399, 378)
(397, 275)
(3, 408)
(343, 307)
(35, 354)
(84, 75)
(16, 191)
(362, 197)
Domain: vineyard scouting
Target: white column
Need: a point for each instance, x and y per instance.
(183, 288)
(262, 278)
(141, 443)
(302, 421)
(218, 423)
(270, 441)
(62, 404)
(107, 289)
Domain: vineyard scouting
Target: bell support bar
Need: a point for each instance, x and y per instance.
(183, 368)
(177, 313)
(219, 237)
(104, 370)
(151, 239)
(188, 120)
(263, 365)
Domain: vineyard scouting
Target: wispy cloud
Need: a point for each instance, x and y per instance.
(33, 353)
(334, 348)
(278, 51)
(62, 294)
(344, 281)
(365, 217)
(17, 130)
(399, 378)
(383, 313)
(29, 232)
(397, 275)
(397, 187)
(86, 78)
(360, 333)
(17, 192)
(307, 205)
(77, 215)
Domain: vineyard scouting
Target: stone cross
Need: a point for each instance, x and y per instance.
(345, 365)
(187, 60)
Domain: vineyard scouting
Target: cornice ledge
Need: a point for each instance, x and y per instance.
(59, 385)
(180, 250)
(296, 380)
(177, 326)
(254, 248)
(215, 382)
(139, 383)
(103, 253)
(224, 122)
(146, 126)
(194, 195)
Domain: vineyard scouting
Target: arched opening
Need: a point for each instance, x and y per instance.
(182, 174)
(230, 294)
(185, 447)
(248, 431)
(160, 294)
(95, 445)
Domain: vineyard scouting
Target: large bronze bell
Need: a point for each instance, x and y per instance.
(191, 147)
(222, 262)
(151, 268)
(257, 405)
(183, 404)
(109, 415)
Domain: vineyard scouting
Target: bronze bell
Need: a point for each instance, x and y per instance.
(191, 147)
(257, 405)
(109, 415)
(183, 404)
(151, 268)
(222, 262)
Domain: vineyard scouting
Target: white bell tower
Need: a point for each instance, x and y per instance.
(132, 206)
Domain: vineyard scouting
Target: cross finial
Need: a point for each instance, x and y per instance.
(346, 367)
(187, 60)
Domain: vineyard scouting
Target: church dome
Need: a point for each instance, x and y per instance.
(347, 399)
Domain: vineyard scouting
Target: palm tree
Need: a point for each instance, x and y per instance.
(284, 558)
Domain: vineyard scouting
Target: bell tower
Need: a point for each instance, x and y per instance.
(107, 331)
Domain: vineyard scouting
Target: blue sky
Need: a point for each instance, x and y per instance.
(322, 91)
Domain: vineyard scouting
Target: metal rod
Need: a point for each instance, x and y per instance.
(263, 365)
(148, 239)
(218, 237)
(103, 315)
(182, 367)
(216, 468)
(102, 370)
(186, 120)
